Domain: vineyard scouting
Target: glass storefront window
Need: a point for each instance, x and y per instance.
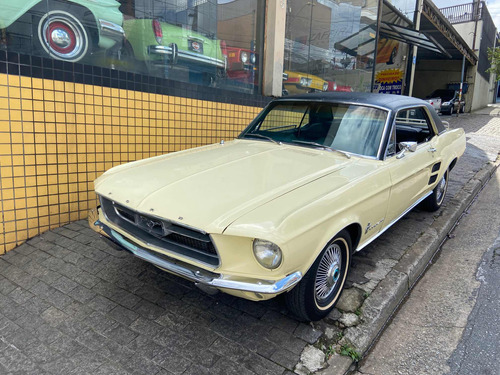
(329, 45)
(390, 68)
(406, 7)
(207, 42)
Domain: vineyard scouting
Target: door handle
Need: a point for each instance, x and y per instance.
(432, 149)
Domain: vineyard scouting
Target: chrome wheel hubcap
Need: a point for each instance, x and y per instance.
(63, 37)
(328, 274)
(60, 38)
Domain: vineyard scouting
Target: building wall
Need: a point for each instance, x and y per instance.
(435, 74)
(466, 31)
(57, 136)
(483, 93)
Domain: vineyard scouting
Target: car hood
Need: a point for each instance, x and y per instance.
(210, 187)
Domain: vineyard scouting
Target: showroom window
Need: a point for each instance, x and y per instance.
(212, 43)
(329, 45)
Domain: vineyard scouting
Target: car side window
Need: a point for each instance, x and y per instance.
(391, 146)
(413, 125)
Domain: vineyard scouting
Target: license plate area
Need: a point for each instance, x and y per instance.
(195, 46)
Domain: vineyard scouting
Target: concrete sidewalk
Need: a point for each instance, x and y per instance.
(71, 305)
(431, 324)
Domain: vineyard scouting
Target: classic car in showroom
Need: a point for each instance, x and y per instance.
(64, 30)
(241, 64)
(282, 208)
(387, 51)
(301, 83)
(162, 47)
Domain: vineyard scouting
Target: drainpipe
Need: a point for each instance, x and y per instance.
(494, 79)
(414, 54)
(461, 86)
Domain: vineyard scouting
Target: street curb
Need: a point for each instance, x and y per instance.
(380, 305)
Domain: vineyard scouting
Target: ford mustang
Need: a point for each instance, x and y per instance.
(282, 208)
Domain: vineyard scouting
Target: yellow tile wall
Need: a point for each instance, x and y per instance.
(57, 137)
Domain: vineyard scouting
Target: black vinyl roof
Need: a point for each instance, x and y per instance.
(387, 101)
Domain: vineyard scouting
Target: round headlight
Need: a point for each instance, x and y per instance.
(252, 58)
(303, 81)
(267, 253)
(244, 57)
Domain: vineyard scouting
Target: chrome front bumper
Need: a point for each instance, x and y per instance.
(111, 30)
(174, 53)
(193, 273)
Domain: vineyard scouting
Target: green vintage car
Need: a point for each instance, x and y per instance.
(162, 48)
(64, 30)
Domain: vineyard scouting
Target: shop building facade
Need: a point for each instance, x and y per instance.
(88, 85)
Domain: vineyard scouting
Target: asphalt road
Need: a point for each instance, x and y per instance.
(450, 323)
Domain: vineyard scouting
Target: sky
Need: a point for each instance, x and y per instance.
(492, 5)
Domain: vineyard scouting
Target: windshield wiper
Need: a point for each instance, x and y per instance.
(321, 146)
(261, 136)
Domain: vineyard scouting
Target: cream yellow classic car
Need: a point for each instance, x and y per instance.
(282, 208)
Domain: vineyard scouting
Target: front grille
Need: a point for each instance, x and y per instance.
(162, 233)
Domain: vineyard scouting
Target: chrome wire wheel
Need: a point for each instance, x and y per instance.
(328, 274)
(320, 288)
(441, 189)
(63, 36)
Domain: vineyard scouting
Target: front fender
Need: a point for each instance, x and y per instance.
(12, 12)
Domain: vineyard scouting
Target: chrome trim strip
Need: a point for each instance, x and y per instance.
(166, 50)
(393, 222)
(111, 30)
(201, 276)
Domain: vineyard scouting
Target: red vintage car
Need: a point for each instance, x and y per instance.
(241, 64)
(332, 86)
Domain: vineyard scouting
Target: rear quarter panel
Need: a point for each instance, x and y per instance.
(451, 145)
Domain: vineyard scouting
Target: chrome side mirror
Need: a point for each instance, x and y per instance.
(406, 146)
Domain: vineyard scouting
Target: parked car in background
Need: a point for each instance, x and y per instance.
(163, 47)
(435, 103)
(282, 209)
(446, 101)
(299, 83)
(64, 30)
(453, 105)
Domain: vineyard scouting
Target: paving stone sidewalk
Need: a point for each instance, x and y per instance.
(69, 304)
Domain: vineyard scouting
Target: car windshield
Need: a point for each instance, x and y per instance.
(349, 128)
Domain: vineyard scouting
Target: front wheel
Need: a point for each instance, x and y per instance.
(62, 36)
(319, 290)
(434, 201)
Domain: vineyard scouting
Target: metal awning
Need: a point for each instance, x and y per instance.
(410, 36)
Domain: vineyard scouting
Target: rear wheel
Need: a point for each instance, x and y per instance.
(320, 288)
(62, 35)
(434, 201)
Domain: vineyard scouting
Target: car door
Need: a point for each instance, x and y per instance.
(410, 171)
